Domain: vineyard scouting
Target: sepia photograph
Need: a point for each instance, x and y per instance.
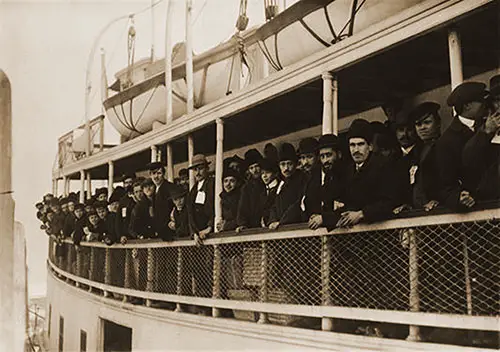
(249, 175)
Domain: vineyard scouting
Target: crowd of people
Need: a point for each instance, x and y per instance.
(375, 172)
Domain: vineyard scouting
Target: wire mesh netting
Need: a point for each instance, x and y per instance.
(450, 268)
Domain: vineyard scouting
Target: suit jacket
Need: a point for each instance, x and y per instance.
(127, 204)
(78, 233)
(427, 182)
(69, 225)
(201, 215)
(230, 203)
(141, 221)
(57, 224)
(181, 219)
(250, 207)
(481, 161)
(112, 232)
(402, 167)
(449, 150)
(162, 208)
(266, 202)
(312, 197)
(370, 189)
(286, 207)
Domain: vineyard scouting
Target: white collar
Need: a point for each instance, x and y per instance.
(200, 184)
(273, 184)
(359, 166)
(467, 122)
(407, 150)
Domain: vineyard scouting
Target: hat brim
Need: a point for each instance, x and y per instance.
(206, 162)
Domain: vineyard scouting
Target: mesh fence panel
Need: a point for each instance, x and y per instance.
(165, 270)
(451, 268)
(369, 270)
(459, 268)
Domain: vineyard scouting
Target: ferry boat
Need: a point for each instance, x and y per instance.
(317, 78)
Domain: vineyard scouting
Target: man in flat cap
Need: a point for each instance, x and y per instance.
(481, 154)
(286, 208)
(425, 180)
(162, 202)
(200, 200)
(249, 207)
(468, 100)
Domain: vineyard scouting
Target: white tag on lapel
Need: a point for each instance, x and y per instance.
(200, 197)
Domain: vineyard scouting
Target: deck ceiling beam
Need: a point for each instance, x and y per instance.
(380, 37)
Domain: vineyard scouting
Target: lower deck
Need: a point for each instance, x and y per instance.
(408, 284)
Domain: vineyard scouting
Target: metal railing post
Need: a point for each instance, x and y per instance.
(263, 317)
(180, 274)
(78, 264)
(107, 269)
(126, 279)
(91, 266)
(216, 272)
(414, 299)
(468, 287)
(326, 299)
(69, 259)
(150, 274)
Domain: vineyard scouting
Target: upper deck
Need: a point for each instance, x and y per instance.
(351, 57)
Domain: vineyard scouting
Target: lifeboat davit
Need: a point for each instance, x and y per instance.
(301, 30)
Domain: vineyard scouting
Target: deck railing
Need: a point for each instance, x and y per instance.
(441, 270)
(72, 144)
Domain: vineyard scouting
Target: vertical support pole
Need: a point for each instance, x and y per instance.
(326, 299)
(216, 293)
(65, 181)
(92, 266)
(150, 274)
(468, 287)
(89, 186)
(168, 63)
(111, 175)
(54, 187)
(189, 57)
(170, 163)
(101, 133)
(154, 153)
(455, 53)
(263, 317)
(190, 159)
(335, 105)
(55, 190)
(414, 331)
(219, 157)
(107, 269)
(327, 103)
(82, 186)
(126, 278)
(180, 276)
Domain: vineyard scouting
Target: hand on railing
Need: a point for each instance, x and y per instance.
(350, 218)
(431, 205)
(315, 221)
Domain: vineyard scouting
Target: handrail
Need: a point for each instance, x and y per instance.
(301, 230)
(93, 122)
